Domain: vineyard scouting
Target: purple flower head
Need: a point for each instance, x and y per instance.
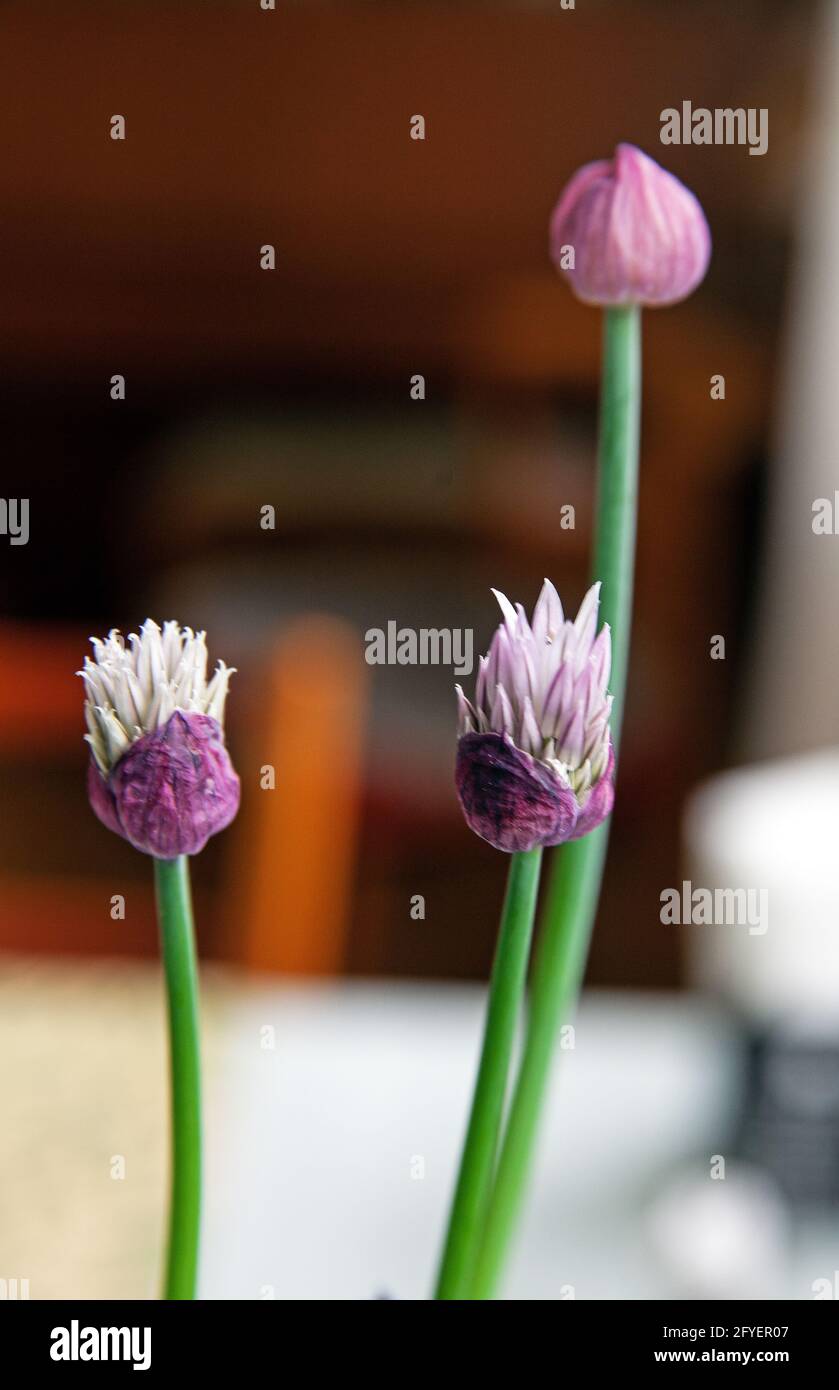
(639, 236)
(160, 774)
(535, 764)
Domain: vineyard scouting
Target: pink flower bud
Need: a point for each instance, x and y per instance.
(638, 235)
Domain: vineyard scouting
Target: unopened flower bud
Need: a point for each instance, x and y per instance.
(639, 236)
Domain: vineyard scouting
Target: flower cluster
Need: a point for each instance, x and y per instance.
(160, 774)
(535, 764)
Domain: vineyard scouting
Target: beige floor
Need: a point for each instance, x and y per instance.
(82, 1082)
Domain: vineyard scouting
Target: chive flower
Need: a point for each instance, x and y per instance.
(639, 235)
(160, 774)
(535, 764)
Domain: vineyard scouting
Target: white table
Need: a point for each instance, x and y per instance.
(332, 1141)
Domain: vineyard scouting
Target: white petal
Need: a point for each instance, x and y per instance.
(133, 690)
(585, 623)
(501, 718)
(547, 615)
(172, 647)
(510, 616)
(98, 749)
(570, 742)
(114, 736)
(530, 739)
(217, 692)
(465, 714)
(601, 657)
(481, 682)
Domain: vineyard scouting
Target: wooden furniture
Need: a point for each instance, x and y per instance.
(289, 893)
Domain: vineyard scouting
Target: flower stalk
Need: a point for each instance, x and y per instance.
(617, 489)
(534, 768)
(160, 776)
(177, 939)
(479, 1150)
(574, 889)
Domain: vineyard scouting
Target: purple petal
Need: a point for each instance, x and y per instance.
(171, 790)
(547, 615)
(555, 714)
(639, 236)
(504, 656)
(101, 799)
(530, 739)
(501, 714)
(522, 626)
(510, 800)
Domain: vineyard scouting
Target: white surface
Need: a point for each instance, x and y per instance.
(792, 703)
(774, 827)
(309, 1189)
(725, 1236)
(311, 1193)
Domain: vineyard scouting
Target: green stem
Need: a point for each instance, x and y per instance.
(509, 972)
(617, 490)
(177, 938)
(575, 883)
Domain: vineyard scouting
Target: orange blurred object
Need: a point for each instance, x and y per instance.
(297, 840)
(286, 903)
(40, 695)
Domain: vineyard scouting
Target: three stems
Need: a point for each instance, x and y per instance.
(488, 1195)
(177, 939)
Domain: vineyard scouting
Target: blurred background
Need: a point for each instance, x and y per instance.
(291, 388)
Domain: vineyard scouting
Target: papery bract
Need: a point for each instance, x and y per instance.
(172, 790)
